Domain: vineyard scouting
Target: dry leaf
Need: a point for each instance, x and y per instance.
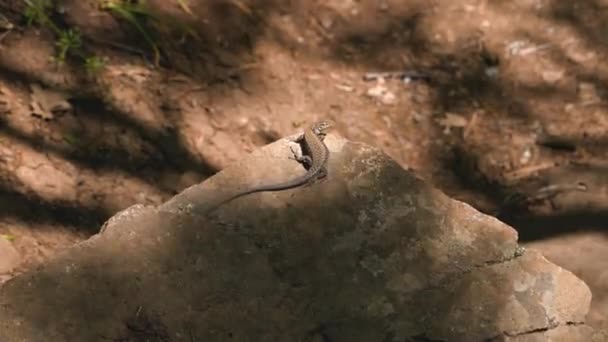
(47, 103)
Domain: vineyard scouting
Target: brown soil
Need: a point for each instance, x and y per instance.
(509, 113)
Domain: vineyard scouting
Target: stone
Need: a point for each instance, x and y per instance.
(371, 253)
(9, 257)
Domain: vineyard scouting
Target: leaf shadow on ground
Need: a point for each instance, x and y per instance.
(466, 69)
(241, 24)
(168, 151)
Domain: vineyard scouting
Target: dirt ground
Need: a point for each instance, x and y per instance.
(500, 104)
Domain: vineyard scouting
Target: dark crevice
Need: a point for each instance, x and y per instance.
(552, 325)
(517, 252)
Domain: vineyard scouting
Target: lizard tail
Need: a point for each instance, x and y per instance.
(293, 183)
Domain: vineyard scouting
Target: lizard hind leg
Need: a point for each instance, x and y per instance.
(320, 177)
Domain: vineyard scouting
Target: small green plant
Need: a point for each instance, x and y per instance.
(136, 15)
(94, 64)
(72, 139)
(69, 41)
(185, 7)
(36, 12)
(8, 237)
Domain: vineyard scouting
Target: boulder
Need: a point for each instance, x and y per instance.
(370, 253)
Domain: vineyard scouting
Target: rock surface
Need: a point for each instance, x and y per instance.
(369, 254)
(9, 257)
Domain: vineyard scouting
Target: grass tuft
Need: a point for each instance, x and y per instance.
(137, 16)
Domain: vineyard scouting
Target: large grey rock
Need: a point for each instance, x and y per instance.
(369, 254)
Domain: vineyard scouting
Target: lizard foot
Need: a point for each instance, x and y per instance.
(300, 158)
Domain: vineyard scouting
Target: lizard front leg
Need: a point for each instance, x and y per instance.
(301, 158)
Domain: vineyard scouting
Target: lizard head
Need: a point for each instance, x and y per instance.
(321, 126)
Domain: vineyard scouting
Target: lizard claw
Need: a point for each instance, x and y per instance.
(295, 155)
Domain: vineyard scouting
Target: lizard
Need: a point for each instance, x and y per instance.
(315, 156)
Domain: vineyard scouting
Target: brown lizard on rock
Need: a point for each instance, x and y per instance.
(315, 156)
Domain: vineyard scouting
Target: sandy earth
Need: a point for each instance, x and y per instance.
(502, 105)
